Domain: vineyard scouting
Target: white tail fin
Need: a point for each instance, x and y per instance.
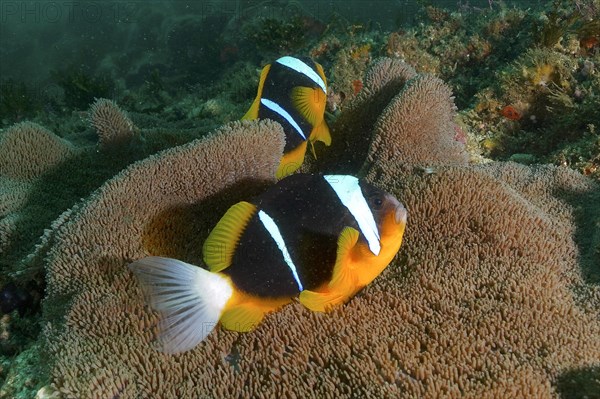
(189, 299)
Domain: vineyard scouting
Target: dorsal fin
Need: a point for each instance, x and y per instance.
(252, 113)
(321, 72)
(223, 240)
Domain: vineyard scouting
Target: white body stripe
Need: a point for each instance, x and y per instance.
(349, 192)
(301, 67)
(273, 106)
(273, 230)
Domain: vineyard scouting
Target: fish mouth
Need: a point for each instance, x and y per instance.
(400, 214)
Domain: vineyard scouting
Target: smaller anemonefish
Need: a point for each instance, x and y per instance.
(293, 92)
(321, 238)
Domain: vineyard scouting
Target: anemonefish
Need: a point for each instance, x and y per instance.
(321, 238)
(293, 92)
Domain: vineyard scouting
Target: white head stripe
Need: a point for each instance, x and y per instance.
(273, 106)
(349, 192)
(273, 230)
(301, 67)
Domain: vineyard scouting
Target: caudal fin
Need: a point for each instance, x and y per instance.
(189, 299)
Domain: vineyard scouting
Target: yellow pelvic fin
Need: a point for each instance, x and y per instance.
(252, 113)
(222, 241)
(321, 133)
(312, 149)
(343, 282)
(247, 311)
(291, 161)
(310, 103)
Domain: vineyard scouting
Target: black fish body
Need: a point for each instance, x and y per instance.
(319, 237)
(293, 92)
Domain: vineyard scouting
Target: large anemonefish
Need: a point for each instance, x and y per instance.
(293, 92)
(322, 237)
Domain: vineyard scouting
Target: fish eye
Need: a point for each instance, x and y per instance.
(377, 202)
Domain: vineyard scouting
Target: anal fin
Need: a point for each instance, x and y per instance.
(242, 318)
(252, 112)
(245, 316)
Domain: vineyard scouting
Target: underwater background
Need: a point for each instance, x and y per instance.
(495, 292)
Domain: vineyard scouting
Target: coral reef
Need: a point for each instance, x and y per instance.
(541, 64)
(473, 305)
(276, 36)
(481, 52)
(564, 18)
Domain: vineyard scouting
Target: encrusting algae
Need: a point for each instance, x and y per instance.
(474, 305)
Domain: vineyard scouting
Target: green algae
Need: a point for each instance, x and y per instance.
(81, 86)
(580, 384)
(17, 102)
(27, 373)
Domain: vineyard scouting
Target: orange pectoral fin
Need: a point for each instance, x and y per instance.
(344, 277)
(291, 161)
(310, 103)
(343, 282)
